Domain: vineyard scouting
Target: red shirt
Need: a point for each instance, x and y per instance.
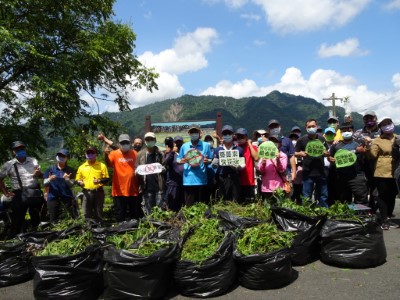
(247, 174)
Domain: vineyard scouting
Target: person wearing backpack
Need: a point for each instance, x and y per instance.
(58, 180)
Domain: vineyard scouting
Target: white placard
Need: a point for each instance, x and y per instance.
(149, 169)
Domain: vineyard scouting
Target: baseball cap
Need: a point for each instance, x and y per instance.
(333, 118)
(296, 128)
(178, 138)
(64, 152)
(17, 144)
(227, 128)
(294, 135)
(370, 113)
(384, 118)
(194, 126)
(273, 121)
(330, 130)
(261, 131)
(124, 137)
(91, 149)
(276, 137)
(150, 135)
(241, 131)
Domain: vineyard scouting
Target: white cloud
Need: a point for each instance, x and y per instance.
(252, 17)
(259, 42)
(187, 55)
(396, 80)
(393, 5)
(349, 47)
(321, 84)
(307, 15)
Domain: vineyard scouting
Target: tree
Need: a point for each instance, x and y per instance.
(57, 57)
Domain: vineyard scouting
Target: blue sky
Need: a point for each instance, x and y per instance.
(243, 48)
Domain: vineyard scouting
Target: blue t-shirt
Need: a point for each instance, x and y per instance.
(195, 175)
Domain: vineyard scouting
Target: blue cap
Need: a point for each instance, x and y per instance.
(241, 131)
(64, 152)
(227, 128)
(178, 138)
(330, 129)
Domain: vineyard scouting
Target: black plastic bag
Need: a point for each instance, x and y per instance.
(69, 277)
(230, 221)
(15, 265)
(212, 277)
(39, 237)
(352, 244)
(306, 244)
(265, 271)
(131, 276)
(101, 233)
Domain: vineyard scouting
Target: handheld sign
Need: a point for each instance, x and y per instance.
(345, 158)
(267, 150)
(149, 169)
(315, 148)
(230, 158)
(194, 157)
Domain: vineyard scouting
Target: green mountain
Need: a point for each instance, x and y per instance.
(252, 112)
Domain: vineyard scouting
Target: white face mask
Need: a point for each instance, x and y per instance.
(61, 159)
(294, 142)
(347, 135)
(211, 144)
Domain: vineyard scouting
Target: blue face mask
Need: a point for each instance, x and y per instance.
(312, 130)
(90, 156)
(227, 138)
(347, 135)
(20, 153)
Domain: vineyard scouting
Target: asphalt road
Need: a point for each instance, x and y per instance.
(315, 281)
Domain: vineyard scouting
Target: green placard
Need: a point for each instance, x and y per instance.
(315, 148)
(267, 150)
(345, 158)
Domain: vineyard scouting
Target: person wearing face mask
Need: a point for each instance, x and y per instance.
(23, 172)
(58, 180)
(137, 144)
(152, 185)
(368, 133)
(273, 170)
(195, 175)
(330, 169)
(380, 151)
(174, 171)
(91, 176)
(350, 174)
(333, 122)
(125, 184)
(228, 176)
(247, 174)
(274, 128)
(312, 149)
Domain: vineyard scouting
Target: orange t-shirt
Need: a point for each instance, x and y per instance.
(124, 183)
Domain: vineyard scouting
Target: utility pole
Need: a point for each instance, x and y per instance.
(333, 99)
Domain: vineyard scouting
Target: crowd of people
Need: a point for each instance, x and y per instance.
(314, 164)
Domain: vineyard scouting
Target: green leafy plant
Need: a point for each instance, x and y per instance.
(204, 242)
(69, 246)
(263, 238)
(255, 210)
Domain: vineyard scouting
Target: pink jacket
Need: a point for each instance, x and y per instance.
(269, 169)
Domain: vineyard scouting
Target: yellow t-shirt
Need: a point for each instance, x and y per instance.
(87, 173)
